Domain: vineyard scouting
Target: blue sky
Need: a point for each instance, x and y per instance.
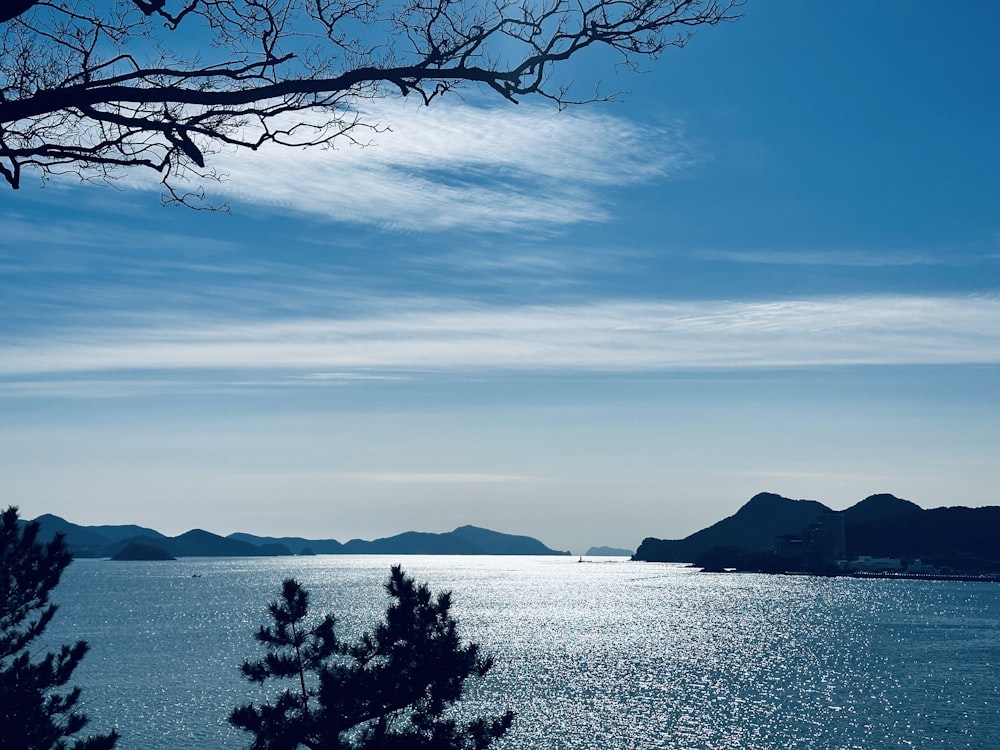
(775, 265)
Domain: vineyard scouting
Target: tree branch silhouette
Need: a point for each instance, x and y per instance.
(95, 90)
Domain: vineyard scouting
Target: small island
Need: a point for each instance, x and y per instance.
(609, 552)
(142, 551)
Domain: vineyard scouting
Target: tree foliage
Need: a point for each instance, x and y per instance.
(96, 87)
(393, 687)
(34, 713)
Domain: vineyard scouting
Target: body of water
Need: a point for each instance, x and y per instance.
(598, 655)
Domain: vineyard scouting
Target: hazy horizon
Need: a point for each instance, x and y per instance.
(577, 548)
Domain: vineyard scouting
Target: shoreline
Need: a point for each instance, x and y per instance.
(982, 577)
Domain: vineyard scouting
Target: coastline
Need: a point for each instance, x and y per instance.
(983, 577)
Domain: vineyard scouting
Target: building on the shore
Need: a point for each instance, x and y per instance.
(825, 546)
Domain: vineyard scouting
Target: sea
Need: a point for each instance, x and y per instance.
(591, 653)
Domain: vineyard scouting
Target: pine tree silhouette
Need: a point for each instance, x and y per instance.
(34, 713)
(391, 688)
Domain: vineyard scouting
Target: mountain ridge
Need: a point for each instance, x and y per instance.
(753, 527)
(769, 531)
(107, 541)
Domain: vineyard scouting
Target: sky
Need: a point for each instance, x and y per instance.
(774, 265)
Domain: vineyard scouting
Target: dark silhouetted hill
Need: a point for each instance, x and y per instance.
(496, 543)
(412, 543)
(89, 541)
(296, 544)
(200, 543)
(142, 551)
(465, 540)
(128, 531)
(609, 552)
(107, 541)
(958, 539)
(754, 527)
(880, 508)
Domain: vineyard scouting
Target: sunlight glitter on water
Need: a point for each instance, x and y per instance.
(603, 655)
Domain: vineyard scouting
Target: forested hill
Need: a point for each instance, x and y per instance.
(754, 527)
(465, 540)
(879, 526)
(107, 541)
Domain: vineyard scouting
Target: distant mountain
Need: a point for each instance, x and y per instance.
(465, 540)
(609, 552)
(296, 544)
(107, 541)
(80, 538)
(90, 541)
(880, 508)
(199, 543)
(129, 531)
(957, 539)
(495, 543)
(412, 543)
(142, 551)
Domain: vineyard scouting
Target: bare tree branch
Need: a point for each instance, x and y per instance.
(95, 89)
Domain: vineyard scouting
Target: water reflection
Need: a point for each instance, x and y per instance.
(611, 655)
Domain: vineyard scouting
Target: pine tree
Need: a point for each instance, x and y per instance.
(391, 688)
(34, 713)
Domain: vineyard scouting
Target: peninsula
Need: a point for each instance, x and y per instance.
(882, 534)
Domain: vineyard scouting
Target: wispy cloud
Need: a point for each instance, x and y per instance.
(873, 258)
(406, 477)
(609, 336)
(456, 165)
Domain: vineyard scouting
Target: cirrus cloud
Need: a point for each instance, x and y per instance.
(609, 336)
(454, 165)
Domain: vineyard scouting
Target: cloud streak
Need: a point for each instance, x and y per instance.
(405, 477)
(847, 258)
(453, 165)
(610, 336)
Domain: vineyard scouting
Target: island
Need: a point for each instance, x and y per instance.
(608, 552)
(131, 542)
(142, 551)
